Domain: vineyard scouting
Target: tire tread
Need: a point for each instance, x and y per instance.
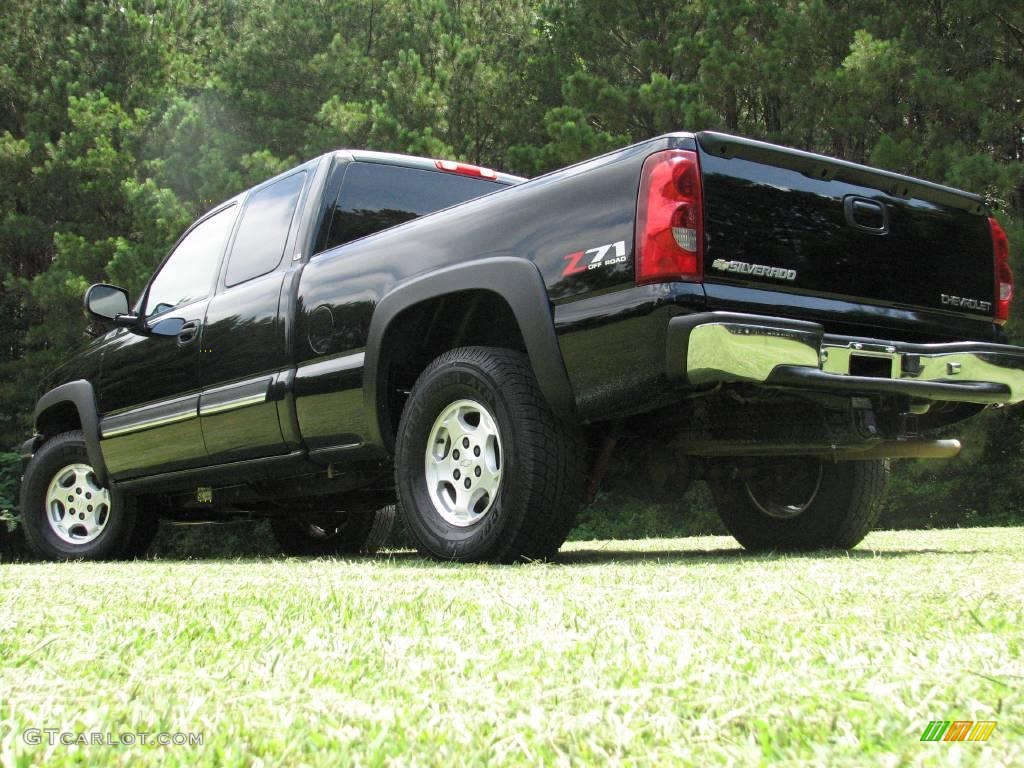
(70, 447)
(839, 518)
(551, 449)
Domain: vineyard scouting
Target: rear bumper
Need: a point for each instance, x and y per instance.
(713, 347)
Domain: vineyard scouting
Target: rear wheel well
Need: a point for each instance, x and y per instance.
(58, 418)
(424, 331)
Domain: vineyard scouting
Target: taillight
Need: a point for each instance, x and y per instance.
(465, 169)
(1004, 275)
(670, 219)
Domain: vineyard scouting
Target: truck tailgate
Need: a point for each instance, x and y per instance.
(796, 221)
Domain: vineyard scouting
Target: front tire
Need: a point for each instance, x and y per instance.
(66, 513)
(484, 470)
(352, 533)
(800, 503)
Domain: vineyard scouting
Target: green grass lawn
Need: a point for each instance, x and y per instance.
(660, 652)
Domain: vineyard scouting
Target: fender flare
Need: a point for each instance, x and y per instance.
(516, 280)
(80, 394)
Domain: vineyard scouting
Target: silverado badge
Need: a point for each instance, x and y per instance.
(757, 270)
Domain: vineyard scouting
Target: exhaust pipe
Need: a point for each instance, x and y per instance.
(886, 449)
(903, 449)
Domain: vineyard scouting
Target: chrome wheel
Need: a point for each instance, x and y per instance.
(786, 488)
(463, 463)
(77, 506)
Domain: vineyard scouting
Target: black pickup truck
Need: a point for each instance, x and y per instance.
(367, 328)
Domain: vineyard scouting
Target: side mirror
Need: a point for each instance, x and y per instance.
(110, 303)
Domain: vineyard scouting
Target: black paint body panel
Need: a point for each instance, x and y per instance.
(140, 372)
(783, 208)
(538, 223)
(243, 339)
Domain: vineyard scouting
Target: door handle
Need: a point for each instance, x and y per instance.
(866, 215)
(188, 332)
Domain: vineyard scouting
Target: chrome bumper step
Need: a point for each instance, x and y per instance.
(718, 347)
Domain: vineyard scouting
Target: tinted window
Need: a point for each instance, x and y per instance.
(263, 232)
(375, 196)
(189, 272)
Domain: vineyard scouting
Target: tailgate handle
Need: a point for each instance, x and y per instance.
(866, 215)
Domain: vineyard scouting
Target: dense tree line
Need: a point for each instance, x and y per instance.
(122, 121)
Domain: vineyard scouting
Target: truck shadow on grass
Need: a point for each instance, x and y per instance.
(577, 558)
(609, 556)
(238, 544)
(605, 556)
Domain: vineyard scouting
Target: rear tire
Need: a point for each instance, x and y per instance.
(484, 470)
(800, 503)
(352, 533)
(65, 512)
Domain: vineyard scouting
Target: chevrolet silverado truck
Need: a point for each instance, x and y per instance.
(369, 328)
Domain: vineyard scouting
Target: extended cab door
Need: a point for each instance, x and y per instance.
(244, 351)
(149, 381)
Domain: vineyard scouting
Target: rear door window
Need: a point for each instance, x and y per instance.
(375, 196)
(263, 231)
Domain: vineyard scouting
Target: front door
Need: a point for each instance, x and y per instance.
(148, 387)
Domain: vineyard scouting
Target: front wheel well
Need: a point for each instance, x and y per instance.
(61, 417)
(425, 330)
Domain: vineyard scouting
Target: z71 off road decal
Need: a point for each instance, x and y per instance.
(593, 258)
